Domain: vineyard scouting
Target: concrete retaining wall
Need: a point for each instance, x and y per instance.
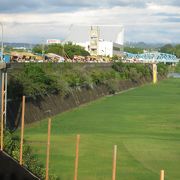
(11, 170)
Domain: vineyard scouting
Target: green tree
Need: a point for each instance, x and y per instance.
(56, 49)
(168, 48)
(38, 49)
(8, 49)
(72, 50)
(133, 50)
(177, 50)
(69, 50)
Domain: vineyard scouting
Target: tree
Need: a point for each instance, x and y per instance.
(56, 49)
(37, 49)
(168, 48)
(8, 49)
(177, 50)
(72, 50)
(133, 50)
(68, 49)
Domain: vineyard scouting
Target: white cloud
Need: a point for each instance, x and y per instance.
(162, 8)
(141, 24)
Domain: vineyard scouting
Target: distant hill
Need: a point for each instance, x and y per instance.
(25, 45)
(144, 45)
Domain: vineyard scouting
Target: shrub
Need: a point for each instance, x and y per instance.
(134, 75)
(98, 76)
(12, 147)
(162, 69)
(32, 81)
(63, 87)
(40, 79)
(113, 85)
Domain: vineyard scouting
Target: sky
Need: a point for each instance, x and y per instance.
(34, 21)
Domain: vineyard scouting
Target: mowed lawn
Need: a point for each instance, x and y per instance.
(144, 123)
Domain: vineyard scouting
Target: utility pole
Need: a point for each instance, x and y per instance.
(3, 83)
(2, 43)
(43, 51)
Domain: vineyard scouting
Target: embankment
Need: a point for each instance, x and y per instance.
(42, 107)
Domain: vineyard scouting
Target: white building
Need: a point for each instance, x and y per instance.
(107, 48)
(95, 45)
(53, 41)
(104, 48)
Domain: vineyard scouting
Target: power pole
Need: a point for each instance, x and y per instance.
(2, 43)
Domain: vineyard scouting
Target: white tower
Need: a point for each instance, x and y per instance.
(94, 39)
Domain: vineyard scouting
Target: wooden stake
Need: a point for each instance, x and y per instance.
(22, 131)
(114, 163)
(48, 149)
(162, 175)
(2, 110)
(77, 157)
(154, 73)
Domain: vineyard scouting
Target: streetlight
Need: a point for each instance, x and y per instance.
(2, 48)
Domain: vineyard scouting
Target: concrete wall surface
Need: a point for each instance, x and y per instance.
(11, 170)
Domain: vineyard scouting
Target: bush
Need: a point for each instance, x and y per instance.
(12, 147)
(63, 87)
(162, 69)
(177, 68)
(41, 79)
(98, 76)
(134, 71)
(32, 81)
(113, 85)
(134, 75)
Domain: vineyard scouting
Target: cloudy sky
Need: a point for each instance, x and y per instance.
(144, 20)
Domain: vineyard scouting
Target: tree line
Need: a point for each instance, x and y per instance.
(168, 48)
(171, 49)
(68, 50)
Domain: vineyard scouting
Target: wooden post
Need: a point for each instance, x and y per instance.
(114, 163)
(2, 110)
(48, 149)
(162, 175)
(154, 73)
(22, 131)
(5, 100)
(77, 157)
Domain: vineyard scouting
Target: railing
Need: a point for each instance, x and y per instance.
(152, 57)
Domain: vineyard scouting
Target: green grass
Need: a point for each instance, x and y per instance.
(144, 123)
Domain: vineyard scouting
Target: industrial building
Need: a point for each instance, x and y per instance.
(107, 48)
(101, 40)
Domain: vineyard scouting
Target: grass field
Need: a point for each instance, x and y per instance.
(144, 123)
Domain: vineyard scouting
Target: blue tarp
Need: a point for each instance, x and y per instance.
(7, 58)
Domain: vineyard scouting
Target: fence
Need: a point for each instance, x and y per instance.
(114, 159)
(76, 165)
